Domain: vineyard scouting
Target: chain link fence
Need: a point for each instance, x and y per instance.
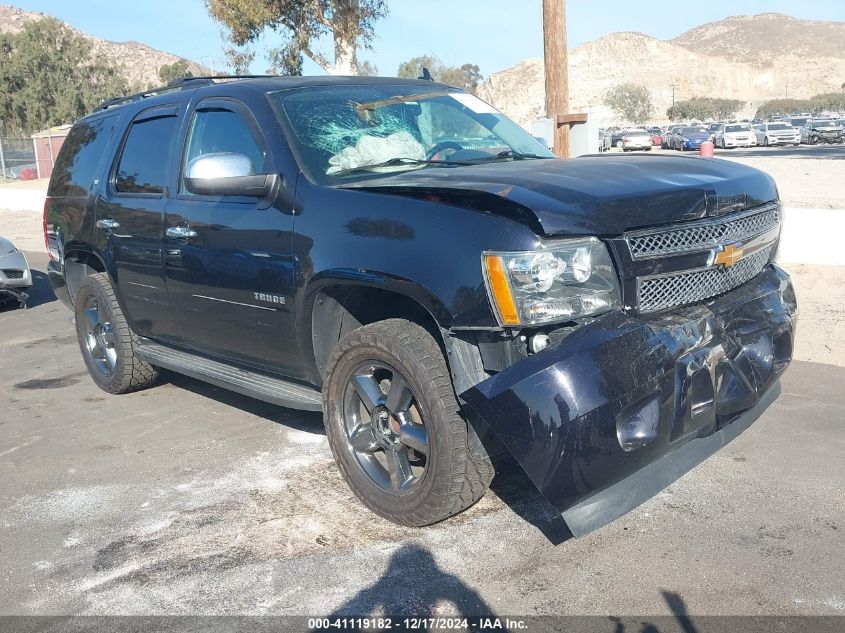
(17, 159)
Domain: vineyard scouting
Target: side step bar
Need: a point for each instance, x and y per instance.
(249, 383)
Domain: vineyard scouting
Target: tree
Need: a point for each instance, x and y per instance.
(175, 71)
(467, 76)
(49, 76)
(367, 69)
(301, 23)
(631, 102)
(703, 108)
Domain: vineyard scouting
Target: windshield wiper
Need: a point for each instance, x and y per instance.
(394, 162)
(508, 153)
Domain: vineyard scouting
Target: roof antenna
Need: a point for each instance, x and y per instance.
(426, 75)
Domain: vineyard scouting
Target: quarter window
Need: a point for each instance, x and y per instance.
(80, 156)
(143, 163)
(219, 131)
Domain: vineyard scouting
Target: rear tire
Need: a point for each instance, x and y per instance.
(415, 483)
(106, 341)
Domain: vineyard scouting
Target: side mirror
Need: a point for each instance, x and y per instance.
(227, 174)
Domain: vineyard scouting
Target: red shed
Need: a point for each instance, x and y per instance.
(47, 145)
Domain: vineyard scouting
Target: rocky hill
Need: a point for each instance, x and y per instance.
(140, 63)
(764, 37)
(747, 57)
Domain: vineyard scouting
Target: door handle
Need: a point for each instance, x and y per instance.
(180, 232)
(108, 224)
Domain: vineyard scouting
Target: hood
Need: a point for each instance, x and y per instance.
(698, 136)
(6, 246)
(591, 195)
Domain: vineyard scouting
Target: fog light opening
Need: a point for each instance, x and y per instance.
(638, 424)
(538, 343)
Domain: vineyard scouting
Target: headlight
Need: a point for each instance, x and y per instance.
(563, 280)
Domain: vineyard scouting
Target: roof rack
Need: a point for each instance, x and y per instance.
(174, 86)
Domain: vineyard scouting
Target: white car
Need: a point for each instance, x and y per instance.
(778, 133)
(732, 135)
(636, 138)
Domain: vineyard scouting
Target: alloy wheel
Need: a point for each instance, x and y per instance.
(385, 430)
(99, 337)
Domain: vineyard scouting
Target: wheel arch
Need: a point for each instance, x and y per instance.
(78, 264)
(335, 306)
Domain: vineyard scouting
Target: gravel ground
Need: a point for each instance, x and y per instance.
(806, 176)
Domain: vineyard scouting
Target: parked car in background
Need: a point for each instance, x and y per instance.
(616, 135)
(821, 131)
(798, 121)
(777, 133)
(713, 128)
(731, 135)
(15, 276)
(668, 133)
(691, 137)
(636, 139)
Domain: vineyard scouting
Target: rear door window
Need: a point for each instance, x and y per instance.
(142, 168)
(79, 159)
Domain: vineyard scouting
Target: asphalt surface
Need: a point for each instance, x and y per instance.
(188, 499)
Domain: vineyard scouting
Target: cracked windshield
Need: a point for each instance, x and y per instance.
(364, 131)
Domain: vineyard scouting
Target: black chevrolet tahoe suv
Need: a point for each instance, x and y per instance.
(402, 257)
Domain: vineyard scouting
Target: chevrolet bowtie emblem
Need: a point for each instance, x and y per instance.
(728, 255)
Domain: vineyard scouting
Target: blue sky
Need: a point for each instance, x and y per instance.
(494, 34)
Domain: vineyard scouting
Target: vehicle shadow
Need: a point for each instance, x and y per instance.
(413, 585)
(518, 492)
(41, 291)
(307, 421)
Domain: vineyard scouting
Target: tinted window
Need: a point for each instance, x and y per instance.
(143, 163)
(216, 131)
(80, 156)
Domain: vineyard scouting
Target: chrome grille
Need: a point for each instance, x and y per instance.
(668, 291)
(702, 236)
(13, 274)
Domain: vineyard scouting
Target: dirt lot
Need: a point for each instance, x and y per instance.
(807, 176)
(188, 499)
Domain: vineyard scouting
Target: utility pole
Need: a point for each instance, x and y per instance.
(557, 72)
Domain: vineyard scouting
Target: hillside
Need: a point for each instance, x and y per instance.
(760, 38)
(139, 62)
(812, 61)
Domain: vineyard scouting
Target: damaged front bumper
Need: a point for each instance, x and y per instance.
(15, 277)
(623, 406)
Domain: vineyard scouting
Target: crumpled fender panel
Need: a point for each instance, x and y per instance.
(703, 366)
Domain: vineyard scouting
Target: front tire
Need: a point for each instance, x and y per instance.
(394, 425)
(106, 341)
